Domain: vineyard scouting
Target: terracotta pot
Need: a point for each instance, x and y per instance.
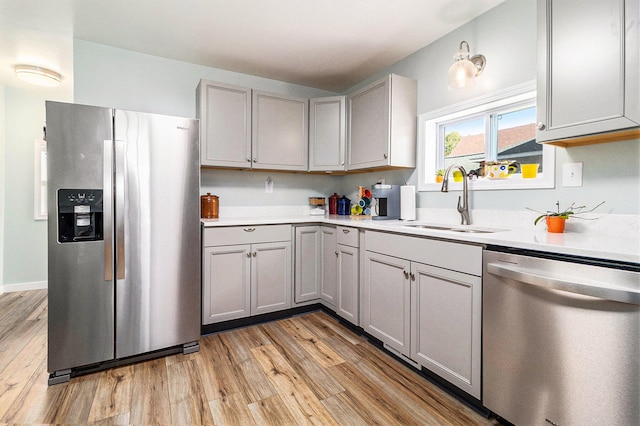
(439, 179)
(555, 224)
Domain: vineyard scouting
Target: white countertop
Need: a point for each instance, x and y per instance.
(594, 243)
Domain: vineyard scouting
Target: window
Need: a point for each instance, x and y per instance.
(495, 130)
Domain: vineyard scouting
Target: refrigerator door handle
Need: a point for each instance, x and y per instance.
(119, 210)
(107, 191)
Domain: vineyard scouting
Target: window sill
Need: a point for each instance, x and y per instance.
(514, 182)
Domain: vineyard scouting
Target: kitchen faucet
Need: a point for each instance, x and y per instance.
(463, 208)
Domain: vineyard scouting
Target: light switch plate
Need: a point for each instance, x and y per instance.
(572, 174)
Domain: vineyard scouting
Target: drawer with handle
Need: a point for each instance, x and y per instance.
(348, 236)
(231, 235)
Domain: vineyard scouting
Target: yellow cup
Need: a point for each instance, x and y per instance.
(529, 171)
(457, 176)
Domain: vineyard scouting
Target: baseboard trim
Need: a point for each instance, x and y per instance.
(10, 288)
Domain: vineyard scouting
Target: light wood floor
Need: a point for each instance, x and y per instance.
(303, 370)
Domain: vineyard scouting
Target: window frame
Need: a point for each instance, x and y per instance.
(428, 137)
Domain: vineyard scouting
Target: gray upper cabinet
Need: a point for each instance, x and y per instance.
(280, 133)
(588, 66)
(327, 134)
(225, 124)
(382, 120)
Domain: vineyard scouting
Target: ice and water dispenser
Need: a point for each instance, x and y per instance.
(79, 215)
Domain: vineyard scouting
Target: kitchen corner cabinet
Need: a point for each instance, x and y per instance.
(327, 134)
(348, 274)
(382, 120)
(246, 271)
(225, 124)
(588, 67)
(423, 298)
(315, 264)
(279, 132)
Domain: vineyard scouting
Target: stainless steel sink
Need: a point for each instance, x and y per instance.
(438, 227)
(464, 229)
(475, 231)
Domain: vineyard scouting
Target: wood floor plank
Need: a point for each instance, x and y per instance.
(288, 347)
(75, 404)
(315, 347)
(218, 380)
(368, 396)
(321, 383)
(231, 410)
(253, 382)
(34, 400)
(120, 419)
(186, 394)
(113, 396)
(347, 411)
(150, 402)
(271, 411)
(19, 370)
(296, 395)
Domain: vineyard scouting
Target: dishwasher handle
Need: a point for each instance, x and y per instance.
(539, 279)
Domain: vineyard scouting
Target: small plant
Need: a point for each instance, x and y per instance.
(440, 172)
(572, 210)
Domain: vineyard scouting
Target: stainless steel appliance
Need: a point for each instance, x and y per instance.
(561, 340)
(124, 236)
(387, 201)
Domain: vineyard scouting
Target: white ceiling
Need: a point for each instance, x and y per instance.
(327, 44)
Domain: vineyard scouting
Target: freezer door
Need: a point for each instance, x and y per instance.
(157, 232)
(81, 301)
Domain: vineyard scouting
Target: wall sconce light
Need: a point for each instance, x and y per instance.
(38, 75)
(465, 69)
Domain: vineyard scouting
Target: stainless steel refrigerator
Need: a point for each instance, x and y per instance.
(123, 237)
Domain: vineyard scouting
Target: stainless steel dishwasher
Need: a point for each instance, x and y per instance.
(560, 339)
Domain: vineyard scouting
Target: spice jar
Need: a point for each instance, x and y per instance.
(209, 206)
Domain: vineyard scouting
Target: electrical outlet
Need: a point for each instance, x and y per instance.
(572, 174)
(268, 186)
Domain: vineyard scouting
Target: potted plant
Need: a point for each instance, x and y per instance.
(555, 220)
(439, 175)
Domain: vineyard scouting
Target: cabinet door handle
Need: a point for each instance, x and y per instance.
(413, 276)
(255, 160)
(248, 254)
(248, 160)
(385, 156)
(541, 126)
(249, 229)
(345, 231)
(255, 254)
(336, 253)
(406, 274)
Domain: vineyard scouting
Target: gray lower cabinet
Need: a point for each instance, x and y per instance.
(329, 265)
(246, 271)
(445, 333)
(348, 274)
(386, 300)
(315, 264)
(595, 90)
(423, 298)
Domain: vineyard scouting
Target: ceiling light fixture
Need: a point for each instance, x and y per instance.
(38, 75)
(465, 69)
